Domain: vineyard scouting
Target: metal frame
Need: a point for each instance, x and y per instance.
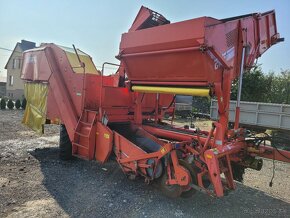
(208, 56)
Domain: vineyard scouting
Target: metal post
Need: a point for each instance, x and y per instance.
(287, 98)
(101, 86)
(156, 107)
(82, 65)
(237, 116)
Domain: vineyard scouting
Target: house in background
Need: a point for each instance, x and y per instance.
(14, 85)
(2, 86)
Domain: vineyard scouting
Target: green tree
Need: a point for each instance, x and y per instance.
(260, 87)
(3, 104)
(287, 77)
(17, 104)
(280, 89)
(10, 104)
(255, 86)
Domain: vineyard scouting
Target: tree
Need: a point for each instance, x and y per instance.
(287, 75)
(201, 104)
(279, 90)
(3, 104)
(259, 87)
(17, 104)
(10, 104)
(255, 86)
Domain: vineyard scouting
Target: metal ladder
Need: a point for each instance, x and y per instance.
(83, 144)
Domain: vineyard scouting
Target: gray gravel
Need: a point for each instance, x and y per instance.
(35, 183)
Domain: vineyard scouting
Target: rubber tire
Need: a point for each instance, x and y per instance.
(65, 146)
(206, 182)
(170, 191)
(238, 172)
(192, 191)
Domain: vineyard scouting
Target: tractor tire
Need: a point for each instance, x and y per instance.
(65, 146)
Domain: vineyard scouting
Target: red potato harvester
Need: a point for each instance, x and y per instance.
(122, 113)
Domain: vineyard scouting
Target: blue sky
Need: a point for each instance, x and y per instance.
(96, 26)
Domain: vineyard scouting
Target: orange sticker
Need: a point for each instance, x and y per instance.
(209, 156)
(106, 136)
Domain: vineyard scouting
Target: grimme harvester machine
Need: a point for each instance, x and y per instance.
(121, 114)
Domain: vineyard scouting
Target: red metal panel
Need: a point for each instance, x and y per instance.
(187, 66)
(142, 16)
(53, 112)
(61, 96)
(223, 39)
(267, 31)
(175, 52)
(104, 143)
(184, 34)
(112, 94)
(126, 149)
(117, 97)
(176, 39)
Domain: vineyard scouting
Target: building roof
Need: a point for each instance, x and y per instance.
(23, 45)
(3, 79)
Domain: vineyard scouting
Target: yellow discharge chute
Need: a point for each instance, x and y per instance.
(35, 111)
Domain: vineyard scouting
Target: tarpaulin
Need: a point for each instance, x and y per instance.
(35, 111)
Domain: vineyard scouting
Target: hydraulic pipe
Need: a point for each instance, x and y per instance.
(237, 116)
(161, 52)
(156, 108)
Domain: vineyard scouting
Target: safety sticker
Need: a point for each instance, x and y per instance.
(106, 135)
(163, 150)
(229, 54)
(215, 151)
(217, 63)
(209, 156)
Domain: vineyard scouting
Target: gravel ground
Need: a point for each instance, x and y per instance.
(35, 183)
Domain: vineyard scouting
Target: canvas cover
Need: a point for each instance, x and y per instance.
(35, 111)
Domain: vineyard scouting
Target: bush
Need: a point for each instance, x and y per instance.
(10, 104)
(3, 104)
(17, 104)
(23, 104)
(5, 98)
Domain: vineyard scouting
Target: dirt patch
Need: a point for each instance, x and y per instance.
(37, 208)
(35, 183)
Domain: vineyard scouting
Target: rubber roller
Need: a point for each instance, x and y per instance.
(203, 92)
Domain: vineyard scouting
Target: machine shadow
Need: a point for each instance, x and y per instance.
(89, 189)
